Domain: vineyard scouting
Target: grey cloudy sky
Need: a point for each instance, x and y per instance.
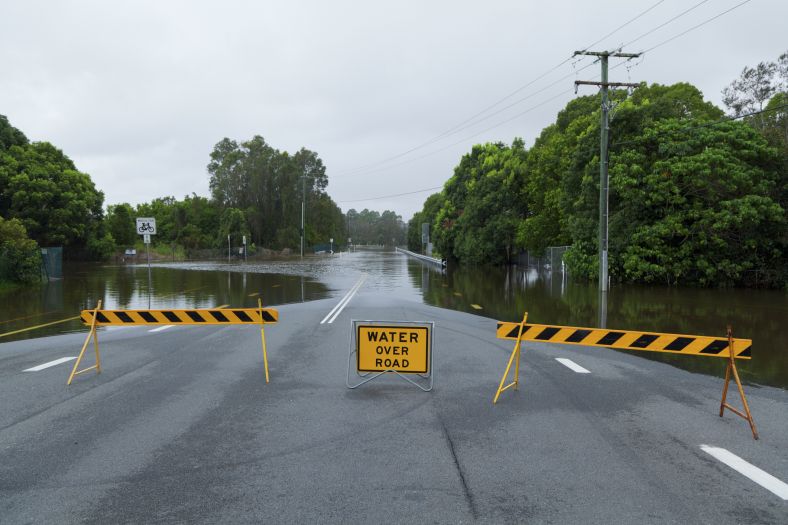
(137, 93)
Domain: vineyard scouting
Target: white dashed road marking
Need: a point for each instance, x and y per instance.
(159, 329)
(572, 365)
(762, 478)
(51, 363)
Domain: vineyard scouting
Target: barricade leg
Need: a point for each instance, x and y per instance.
(731, 370)
(515, 356)
(91, 334)
(262, 337)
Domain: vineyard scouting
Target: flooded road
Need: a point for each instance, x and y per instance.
(500, 293)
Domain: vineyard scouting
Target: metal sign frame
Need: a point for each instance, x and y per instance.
(352, 364)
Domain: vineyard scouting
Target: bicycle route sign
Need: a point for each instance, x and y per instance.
(146, 225)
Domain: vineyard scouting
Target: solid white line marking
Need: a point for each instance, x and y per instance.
(342, 303)
(159, 329)
(764, 479)
(572, 365)
(51, 363)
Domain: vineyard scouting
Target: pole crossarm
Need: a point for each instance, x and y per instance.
(607, 54)
(608, 84)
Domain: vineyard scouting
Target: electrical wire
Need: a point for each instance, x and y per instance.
(696, 26)
(665, 23)
(465, 124)
(393, 195)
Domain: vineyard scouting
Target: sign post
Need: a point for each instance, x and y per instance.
(331, 240)
(397, 347)
(244, 248)
(146, 226)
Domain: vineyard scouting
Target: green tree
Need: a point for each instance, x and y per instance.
(482, 207)
(20, 259)
(120, 222)
(57, 204)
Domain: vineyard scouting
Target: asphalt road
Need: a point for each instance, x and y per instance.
(180, 427)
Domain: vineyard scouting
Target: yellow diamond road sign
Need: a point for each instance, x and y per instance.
(403, 349)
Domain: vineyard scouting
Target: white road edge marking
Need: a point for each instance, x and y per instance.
(159, 329)
(345, 300)
(572, 365)
(51, 363)
(762, 478)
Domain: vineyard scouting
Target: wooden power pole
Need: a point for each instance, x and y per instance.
(603, 160)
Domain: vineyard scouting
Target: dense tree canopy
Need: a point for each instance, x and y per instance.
(57, 204)
(372, 227)
(693, 198)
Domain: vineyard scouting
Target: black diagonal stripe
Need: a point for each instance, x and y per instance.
(643, 341)
(242, 316)
(85, 319)
(514, 331)
(267, 316)
(219, 316)
(679, 343)
(746, 352)
(196, 317)
(101, 318)
(547, 333)
(610, 338)
(148, 317)
(578, 336)
(172, 317)
(715, 347)
(123, 316)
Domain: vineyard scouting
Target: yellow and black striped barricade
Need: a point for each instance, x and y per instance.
(211, 316)
(727, 347)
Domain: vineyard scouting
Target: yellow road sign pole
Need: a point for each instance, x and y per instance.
(515, 353)
(92, 333)
(262, 336)
(731, 369)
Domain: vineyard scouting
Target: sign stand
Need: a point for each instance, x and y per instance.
(91, 334)
(426, 386)
(723, 405)
(262, 337)
(515, 353)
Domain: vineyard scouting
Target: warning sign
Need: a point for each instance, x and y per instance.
(393, 348)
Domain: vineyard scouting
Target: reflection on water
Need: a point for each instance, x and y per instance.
(502, 293)
(127, 287)
(550, 298)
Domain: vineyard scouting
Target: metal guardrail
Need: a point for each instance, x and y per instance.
(424, 258)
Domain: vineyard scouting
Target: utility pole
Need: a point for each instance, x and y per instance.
(603, 156)
(303, 201)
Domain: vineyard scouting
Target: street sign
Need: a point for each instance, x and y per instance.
(393, 348)
(146, 238)
(244, 242)
(146, 225)
(331, 239)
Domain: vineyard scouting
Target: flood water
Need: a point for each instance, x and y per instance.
(501, 293)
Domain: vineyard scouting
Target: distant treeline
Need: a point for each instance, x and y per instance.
(695, 196)
(256, 191)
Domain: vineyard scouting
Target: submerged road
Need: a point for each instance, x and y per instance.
(180, 427)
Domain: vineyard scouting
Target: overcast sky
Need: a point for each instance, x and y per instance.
(138, 93)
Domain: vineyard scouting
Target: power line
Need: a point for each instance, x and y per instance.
(665, 23)
(465, 124)
(434, 152)
(393, 195)
(623, 25)
(697, 26)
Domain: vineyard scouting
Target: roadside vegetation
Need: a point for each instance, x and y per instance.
(256, 191)
(696, 197)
